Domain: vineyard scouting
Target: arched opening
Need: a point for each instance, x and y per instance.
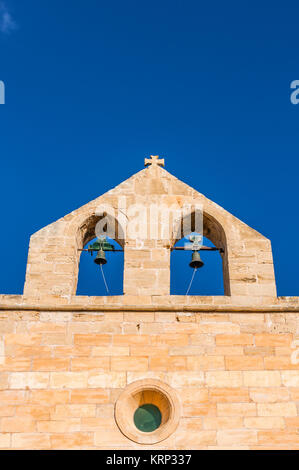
(207, 280)
(213, 277)
(100, 279)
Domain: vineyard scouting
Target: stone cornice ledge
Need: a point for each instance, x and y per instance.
(176, 303)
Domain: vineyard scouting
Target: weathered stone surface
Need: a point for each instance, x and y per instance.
(231, 360)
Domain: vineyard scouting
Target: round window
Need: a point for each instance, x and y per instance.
(147, 418)
(147, 411)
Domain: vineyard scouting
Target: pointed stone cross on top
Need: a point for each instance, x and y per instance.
(154, 160)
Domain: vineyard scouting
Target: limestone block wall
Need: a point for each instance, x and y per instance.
(62, 370)
(229, 364)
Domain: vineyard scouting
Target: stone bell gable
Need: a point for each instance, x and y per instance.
(53, 259)
(211, 372)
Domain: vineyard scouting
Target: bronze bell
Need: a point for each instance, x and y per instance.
(196, 261)
(101, 257)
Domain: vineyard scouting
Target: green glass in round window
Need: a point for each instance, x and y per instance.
(147, 418)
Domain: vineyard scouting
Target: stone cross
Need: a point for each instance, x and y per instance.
(154, 160)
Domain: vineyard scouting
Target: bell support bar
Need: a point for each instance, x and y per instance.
(93, 249)
(202, 248)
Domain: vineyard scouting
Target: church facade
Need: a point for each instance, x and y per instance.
(213, 372)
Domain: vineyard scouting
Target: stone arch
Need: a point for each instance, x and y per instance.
(211, 229)
(86, 231)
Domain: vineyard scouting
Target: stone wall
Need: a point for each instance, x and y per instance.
(224, 369)
(63, 369)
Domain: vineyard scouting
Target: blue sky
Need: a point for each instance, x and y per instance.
(93, 87)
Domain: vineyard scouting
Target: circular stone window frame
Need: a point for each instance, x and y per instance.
(125, 408)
